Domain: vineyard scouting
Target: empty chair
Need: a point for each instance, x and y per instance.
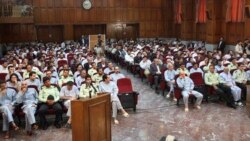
(126, 94)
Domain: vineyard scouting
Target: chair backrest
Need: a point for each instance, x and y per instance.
(124, 85)
(34, 87)
(2, 76)
(197, 78)
(61, 63)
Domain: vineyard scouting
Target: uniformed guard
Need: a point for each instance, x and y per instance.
(49, 96)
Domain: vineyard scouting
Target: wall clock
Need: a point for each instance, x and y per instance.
(87, 4)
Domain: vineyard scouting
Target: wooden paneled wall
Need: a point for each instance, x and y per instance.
(148, 13)
(212, 30)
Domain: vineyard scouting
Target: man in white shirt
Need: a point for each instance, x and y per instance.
(129, 58)
(116, 75)
(145, 65)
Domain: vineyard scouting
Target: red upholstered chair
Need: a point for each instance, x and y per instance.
(177, 91)
(126, 94)
(60, 63)
(163, 84)
(2, 76)
(150, 79)
(197, 78)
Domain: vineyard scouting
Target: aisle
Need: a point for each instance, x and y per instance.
(157, 116)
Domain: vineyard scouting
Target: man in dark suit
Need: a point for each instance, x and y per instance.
(102, 64)
(155, 70)
(221, 45)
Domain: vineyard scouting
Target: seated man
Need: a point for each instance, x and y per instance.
(155, 70)
(88, 89)
(98, 77)
(196, 68)
(68, 93)
(116, 75)
(240, 78)
(80, 78)
(33, 80)
(182, 68)
(12, 71)
(93, 69)
(228, 81)
(29, 98)
(49, 96)
(65, 78)
(7, 100)
(109, 69)
(213, 79)
(187, 86)
(145, 65)
(169, 76)
(107, 86)
(53, 79)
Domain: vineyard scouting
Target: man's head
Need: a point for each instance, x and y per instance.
(29, 68)
(226, 69)
(83, 73)
(65, 73)
(13, 77)
(182, 74)
(93, 64)
(211, 68)
(48, 73)
(88, 79)
(11, 69)
(70, 85)
(170, 66)
(46, 81)
(24, 84)
(110, 65)
(117, 70)
(241, 66)
(100, 71)
(79, 67)
(195, 66)
(32, 75)
(106, 78)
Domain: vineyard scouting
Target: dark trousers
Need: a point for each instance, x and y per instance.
(43, 110)
(243, 90)
(225, 93)
(157, 80)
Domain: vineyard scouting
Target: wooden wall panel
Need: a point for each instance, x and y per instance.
(50, 33)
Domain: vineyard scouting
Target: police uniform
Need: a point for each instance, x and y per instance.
(43, 96)
(86, 90)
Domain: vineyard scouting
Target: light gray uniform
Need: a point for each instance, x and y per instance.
(228, 80)
(7, 101)
(29, 100)
(169, 76)
(112, 88)
(187, 86)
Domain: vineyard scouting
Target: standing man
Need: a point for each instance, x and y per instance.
(221, 45)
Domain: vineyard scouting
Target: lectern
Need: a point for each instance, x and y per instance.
(91, 118)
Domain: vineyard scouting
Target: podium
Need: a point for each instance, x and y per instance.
(91, 118)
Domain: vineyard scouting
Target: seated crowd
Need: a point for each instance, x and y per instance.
(37, 78)
(173, 63)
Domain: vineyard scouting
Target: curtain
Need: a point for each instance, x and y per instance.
(177, 11)
(201, 16)
(235, 11)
